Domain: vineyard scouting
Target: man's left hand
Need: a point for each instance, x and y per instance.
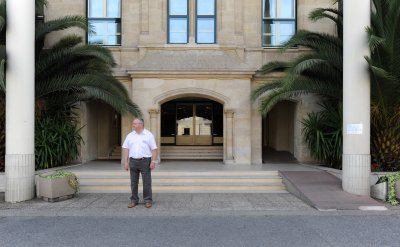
(152, 165)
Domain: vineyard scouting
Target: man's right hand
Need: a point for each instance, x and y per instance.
(126, 166)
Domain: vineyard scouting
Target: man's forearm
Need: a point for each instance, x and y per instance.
(154, 155)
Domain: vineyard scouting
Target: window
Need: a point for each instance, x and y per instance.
(180, 24)
(279, 21)
(178, 21)
(105, 17)
(205, 21)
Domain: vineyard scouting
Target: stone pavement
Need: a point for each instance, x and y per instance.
(323, 191)
(174, 205)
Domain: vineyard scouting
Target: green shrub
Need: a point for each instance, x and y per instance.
(323, 134)
(57, 142)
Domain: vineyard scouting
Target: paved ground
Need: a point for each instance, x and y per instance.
(174, 205)
(207, 231)
(323, 191)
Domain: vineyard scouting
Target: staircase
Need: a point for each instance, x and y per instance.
(191, 152)
(185, 182)
(116, 153)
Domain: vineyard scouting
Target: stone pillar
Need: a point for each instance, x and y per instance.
(20, 99)
(229, 158)
(153, 127)
(356, 98)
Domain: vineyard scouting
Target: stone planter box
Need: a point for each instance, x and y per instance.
(54, 189)
(379, 191)
(2, 182)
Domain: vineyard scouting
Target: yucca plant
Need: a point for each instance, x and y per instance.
(57, 142)
(323, 133)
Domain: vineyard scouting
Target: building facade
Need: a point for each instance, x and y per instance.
(190, 66)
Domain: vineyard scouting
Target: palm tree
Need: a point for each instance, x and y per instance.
(320, 72)
(68, 72)
(384, 40)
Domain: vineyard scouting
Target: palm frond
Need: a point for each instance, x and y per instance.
(265, 87)
(60, 24)
(273, 66)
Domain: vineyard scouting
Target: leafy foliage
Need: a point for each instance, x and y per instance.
(323, 134)
(57, 142)
(384, 42)
(319, 72)
(67, 72)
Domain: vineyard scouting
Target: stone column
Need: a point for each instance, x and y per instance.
(153, 127)
(356, 98)
(229, 158)
(20, 99)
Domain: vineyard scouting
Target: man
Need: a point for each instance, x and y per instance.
(139, 155)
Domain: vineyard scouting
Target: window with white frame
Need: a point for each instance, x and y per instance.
(104, 17)
(180, 25)
(279, 22)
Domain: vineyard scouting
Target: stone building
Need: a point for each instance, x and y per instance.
(190, 66)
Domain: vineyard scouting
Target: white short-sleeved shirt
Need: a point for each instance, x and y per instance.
(140, 145)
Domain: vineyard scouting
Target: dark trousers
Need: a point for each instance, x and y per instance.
(141, 167)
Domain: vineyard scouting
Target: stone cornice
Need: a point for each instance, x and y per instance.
(193, 74)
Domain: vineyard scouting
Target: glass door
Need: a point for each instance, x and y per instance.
(184, 124)
(194, 124)
(203, 124)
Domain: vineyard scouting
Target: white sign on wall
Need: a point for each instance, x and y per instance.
(354, 129)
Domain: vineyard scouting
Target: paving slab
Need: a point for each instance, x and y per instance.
(323, 191)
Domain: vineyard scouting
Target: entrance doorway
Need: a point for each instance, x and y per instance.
(278, 133)
(192, 122)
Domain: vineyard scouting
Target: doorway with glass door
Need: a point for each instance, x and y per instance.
(196, 123)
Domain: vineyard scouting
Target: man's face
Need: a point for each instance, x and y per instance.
(137, 125)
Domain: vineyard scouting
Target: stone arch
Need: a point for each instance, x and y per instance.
(190, 92)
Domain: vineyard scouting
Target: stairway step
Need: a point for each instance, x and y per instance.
(185, 181)
(188, 189)
(190, 174)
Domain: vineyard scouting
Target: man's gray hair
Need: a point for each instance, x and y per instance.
(140, 119)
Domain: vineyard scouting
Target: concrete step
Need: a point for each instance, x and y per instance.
(191, 174)
(185, 182)
(191, 153)
(187, 189)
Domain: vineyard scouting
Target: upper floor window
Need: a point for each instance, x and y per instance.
(180, 25)
(178, 21)
(105, 17)
(205, 21)
(279, 21)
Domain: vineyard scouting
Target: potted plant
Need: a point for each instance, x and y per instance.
(392, 183)
(380, 189)
(57, 186)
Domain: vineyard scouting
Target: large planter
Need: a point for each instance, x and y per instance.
(379, 191)
(397, 186)
(2, 182)
(54, 189)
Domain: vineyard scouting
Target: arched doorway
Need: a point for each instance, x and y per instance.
(191, 123)
(102, 133)
(278, 133)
